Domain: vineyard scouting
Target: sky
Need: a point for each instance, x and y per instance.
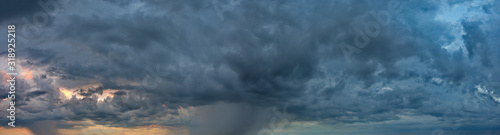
(253, 67)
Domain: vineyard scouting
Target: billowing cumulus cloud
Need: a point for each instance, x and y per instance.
(217, 67)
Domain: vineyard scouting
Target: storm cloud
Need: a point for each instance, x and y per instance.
(178, 63)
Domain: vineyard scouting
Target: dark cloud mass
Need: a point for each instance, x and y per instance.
(432, 68)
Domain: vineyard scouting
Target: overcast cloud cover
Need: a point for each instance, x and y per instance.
(215, 68)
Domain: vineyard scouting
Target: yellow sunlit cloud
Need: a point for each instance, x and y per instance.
(67, 93)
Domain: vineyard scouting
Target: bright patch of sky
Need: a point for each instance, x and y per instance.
(454, 14)
(485, 91)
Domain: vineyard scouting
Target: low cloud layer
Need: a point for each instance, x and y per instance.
(178, 63)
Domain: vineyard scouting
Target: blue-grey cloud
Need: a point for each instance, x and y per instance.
(267, 53)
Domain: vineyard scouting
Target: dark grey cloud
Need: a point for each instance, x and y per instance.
(265, 54)
(18, 8)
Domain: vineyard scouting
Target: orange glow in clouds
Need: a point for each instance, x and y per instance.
(28, 76)
(98, 130)
(15, 131)
(26, 73)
